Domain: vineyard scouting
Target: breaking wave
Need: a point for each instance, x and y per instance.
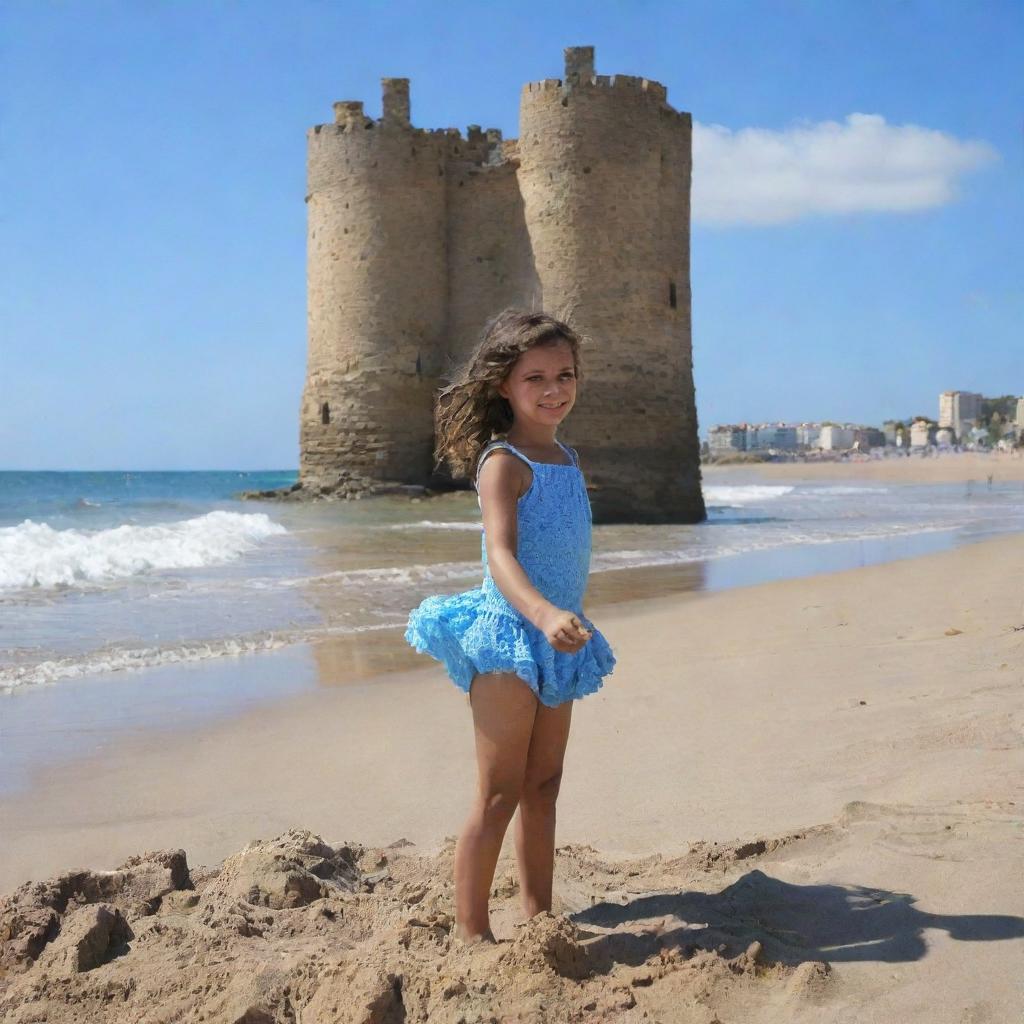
(36, 555)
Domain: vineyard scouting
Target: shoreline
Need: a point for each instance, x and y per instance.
(949, 467)
(163, 699)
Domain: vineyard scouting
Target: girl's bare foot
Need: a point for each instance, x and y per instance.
(467, 939)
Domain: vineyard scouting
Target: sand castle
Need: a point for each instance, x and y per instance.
(417, 236)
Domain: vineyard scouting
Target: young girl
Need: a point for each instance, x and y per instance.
(519, 644)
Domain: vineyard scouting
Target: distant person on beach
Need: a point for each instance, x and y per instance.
(519, 644)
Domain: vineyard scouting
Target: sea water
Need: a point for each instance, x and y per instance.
(113, 572)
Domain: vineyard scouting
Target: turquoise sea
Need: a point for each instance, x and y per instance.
(112, 572)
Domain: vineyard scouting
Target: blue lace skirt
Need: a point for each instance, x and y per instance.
(469, 634)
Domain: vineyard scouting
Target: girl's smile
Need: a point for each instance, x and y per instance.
(542, 384)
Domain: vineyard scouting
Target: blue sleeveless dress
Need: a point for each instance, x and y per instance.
(478, 631)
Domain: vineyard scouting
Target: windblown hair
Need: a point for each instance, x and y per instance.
(470, 410)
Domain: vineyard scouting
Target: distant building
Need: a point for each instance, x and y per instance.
(835, 438)
(785, 438)
(777, 436)
(727, 439)
(958, 410)
(1020, 413)
(891, 430)
(944, 438)
(755, 438)
(807, 435)
(922, 433)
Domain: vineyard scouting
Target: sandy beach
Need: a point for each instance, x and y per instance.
(794, 800)
(951, 467)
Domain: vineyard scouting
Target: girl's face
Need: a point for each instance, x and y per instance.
(541, 386)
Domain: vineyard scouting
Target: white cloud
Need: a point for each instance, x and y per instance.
(757, 176)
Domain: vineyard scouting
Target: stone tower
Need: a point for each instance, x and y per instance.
(416, 237)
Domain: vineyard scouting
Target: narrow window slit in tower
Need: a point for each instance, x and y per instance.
(325, 413)
(672, 294)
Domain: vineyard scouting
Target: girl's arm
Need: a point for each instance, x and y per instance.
(503, 480)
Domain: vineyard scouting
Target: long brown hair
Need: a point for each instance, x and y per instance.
(470, 410)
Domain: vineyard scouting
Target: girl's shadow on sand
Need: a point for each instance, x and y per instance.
(793, 923)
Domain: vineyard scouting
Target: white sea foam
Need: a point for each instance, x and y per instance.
(120, 659)
(744, 494)
(36, 555)
(431, 572)
(844, 490)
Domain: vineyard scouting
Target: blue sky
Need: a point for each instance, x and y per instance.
(857, 244)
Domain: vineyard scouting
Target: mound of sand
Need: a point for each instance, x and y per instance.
(293, 929)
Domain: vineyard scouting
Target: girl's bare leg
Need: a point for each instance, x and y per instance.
(504, 708)
(535, 826)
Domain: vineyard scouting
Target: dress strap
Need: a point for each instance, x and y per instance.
(492, 447)
(571, 452)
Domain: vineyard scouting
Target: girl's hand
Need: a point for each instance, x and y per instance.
(564, 630)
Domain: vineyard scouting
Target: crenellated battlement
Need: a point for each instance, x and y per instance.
(620, 83)
(477, 146)
(395, 108)
(580, 74)
(579, 63)
(480, 146)
(395, 101)
(349, 114)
